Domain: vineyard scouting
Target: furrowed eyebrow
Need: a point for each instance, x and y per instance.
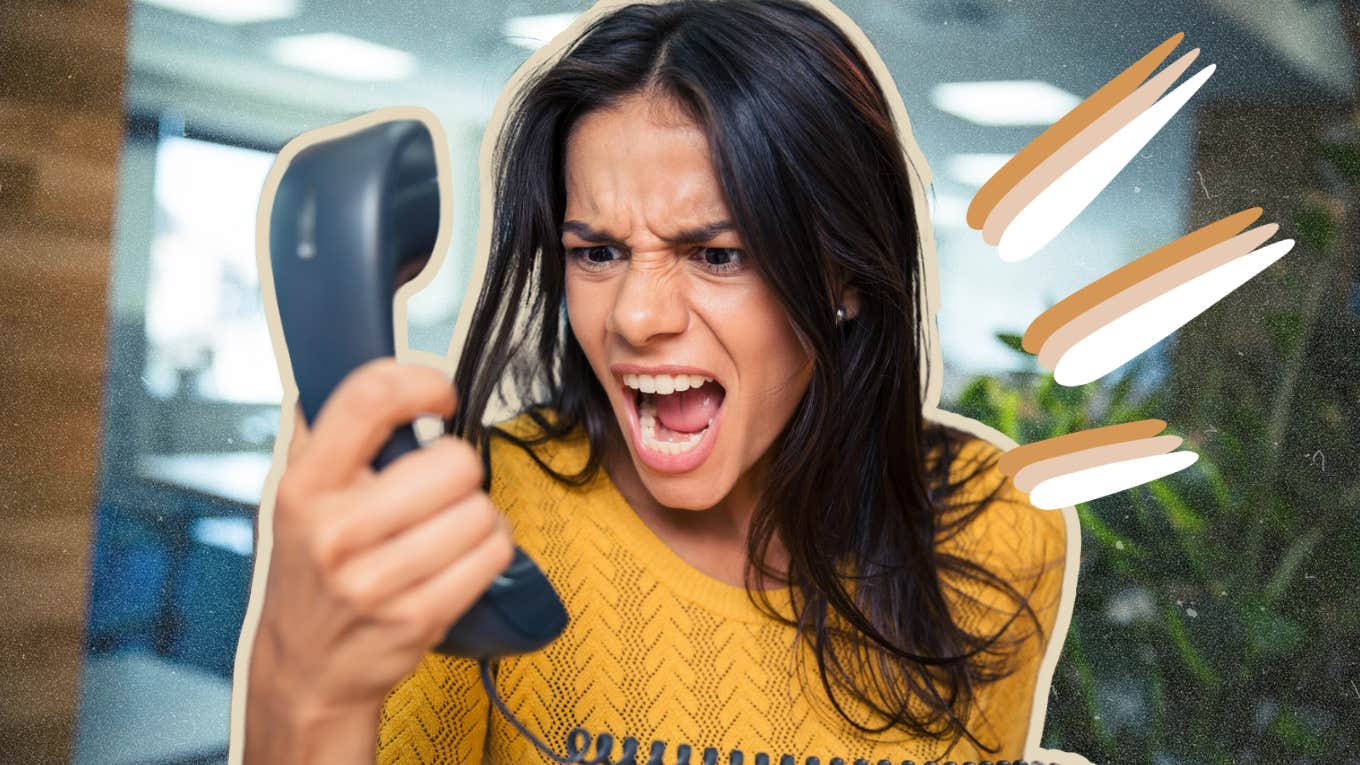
(688, 236)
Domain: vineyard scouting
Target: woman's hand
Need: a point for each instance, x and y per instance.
(368, 570)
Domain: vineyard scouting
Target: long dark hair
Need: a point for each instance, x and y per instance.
(814, 175)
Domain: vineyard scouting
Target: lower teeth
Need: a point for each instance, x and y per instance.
(647, 421)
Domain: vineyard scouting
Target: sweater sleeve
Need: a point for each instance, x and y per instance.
(437, 714)
(1027, 548)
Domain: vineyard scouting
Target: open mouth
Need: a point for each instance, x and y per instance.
(674, 418)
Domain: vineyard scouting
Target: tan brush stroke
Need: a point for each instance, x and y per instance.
(1072, 306)
(1062, 131)
(1074, 150)
(1036, 473)
(1014, 460)
(1198, 264)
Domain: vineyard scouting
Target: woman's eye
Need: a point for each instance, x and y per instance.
(721, 258)
(595, 257)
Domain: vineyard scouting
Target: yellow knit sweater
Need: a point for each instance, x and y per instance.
(658, 651)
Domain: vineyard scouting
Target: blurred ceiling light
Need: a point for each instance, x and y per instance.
(1004, 102)
(974, 169)
(533, 32)
(232, 12)
(345, 57)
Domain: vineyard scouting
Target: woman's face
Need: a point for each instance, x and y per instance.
(660, 294)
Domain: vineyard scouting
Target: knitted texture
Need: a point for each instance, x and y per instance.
(657, 650)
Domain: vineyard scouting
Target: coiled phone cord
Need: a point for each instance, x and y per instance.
(490, 685)
(578, 742)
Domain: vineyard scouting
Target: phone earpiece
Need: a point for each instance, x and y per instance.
(353, 219)
(350, 215)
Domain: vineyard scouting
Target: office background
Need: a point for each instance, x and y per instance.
(1216, 620)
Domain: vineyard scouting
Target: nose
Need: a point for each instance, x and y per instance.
(648, 305)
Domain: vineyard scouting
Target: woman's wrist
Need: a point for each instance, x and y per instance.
(287, 736)
(287, 724)
(278, 729)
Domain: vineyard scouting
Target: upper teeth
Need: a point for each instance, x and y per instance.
(664, 384)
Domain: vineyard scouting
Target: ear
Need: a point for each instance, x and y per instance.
(850, 299)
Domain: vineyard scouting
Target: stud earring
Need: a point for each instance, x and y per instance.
(840, 315)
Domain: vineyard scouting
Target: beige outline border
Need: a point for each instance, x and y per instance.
(930, 302)
(264, 542)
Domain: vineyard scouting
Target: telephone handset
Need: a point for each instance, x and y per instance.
(353, 219)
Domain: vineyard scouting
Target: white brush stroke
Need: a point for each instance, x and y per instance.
(1104, 480)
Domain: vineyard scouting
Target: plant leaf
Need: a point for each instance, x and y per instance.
(1012, 341)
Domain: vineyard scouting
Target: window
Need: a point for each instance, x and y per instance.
(206, 332)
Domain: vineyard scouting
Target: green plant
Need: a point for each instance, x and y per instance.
(1217, 614)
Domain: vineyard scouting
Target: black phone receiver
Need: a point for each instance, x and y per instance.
(353, 219)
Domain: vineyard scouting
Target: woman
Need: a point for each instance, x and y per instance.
(706, 275)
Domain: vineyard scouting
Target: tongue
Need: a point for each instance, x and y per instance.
(689, 411)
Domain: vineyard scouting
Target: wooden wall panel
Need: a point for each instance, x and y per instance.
(61, 115)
